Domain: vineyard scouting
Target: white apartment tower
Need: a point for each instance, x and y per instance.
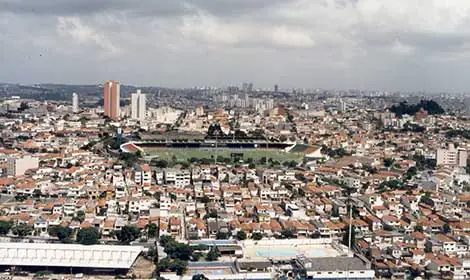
(138, 106)
(452, 156)
(17, 166)
(75, 103)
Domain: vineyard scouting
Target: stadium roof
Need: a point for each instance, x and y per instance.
(68, 255)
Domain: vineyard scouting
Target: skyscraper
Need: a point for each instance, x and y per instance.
(276, 88)
(74, 103)
(111, 99)
(138, 106)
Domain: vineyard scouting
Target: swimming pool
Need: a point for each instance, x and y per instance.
(211, 272)
(313, 253)
(266, 253)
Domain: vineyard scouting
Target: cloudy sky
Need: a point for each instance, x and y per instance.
(366, 44)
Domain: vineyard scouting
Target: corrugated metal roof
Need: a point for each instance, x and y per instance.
(68, 255)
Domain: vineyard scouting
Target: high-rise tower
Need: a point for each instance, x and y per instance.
(111, 96)
(138, 106)
(74, 103)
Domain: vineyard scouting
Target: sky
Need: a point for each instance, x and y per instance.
(405, 45)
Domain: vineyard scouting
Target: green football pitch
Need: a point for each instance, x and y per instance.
(256, 155)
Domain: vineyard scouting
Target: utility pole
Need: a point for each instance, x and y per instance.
(215, 154)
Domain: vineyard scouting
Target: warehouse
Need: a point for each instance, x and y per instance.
(68, 258)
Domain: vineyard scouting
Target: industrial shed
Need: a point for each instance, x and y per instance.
(68, 258)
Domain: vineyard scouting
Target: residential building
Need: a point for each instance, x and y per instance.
(138, 106)
(452, 156)
(17, 166)
(112, 100)
(75, 103)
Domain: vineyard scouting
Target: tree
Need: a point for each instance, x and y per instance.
(257, 236)
(411, 172)
(205, 199)
(262, 160)
(446, 228)
(5, 227)
(175, 249)
(353, 237)
(213, 254)
(388, 162)
(287, 233)
(88, 236)
(160, 163)
(37, 193)
(221, 235)
(199, 277)
(128, 234)
(178, 266)
(152, 230)
(251, 166)
(80, 216)
(419, 228)
(22, 230)
(241, 235)
(62, 233)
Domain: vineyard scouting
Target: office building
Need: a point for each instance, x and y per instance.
(138, 106)
(75, 103)
(452, 156)
(276, 88)
(111, 97)
(17, 166)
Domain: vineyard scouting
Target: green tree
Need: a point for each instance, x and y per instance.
(5, 227)
(152, 230)
(257, 236)
(241, 235)
(411, 172)
(446, 228)
(80, 216)
(37, 193)
(221, 235)
(419, 228)
(287, 233)
(160, 163)
(22, 230)
(176, 250)
(128, 234)
(199, 277)
(262, 161)
(62, 233)
(213, 254)
(205, 199)
(178, 266)
(88, 236)
(388, 162)
(251, 166)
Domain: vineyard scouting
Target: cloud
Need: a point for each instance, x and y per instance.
(172, 38)
(73, 28)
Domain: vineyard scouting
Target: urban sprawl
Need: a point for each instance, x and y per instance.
(111, 181)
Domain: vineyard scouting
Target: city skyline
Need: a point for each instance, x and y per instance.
(400, 45)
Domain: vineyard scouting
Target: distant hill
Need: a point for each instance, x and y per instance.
(432, 107)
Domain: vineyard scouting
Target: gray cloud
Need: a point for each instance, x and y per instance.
(304, 43)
